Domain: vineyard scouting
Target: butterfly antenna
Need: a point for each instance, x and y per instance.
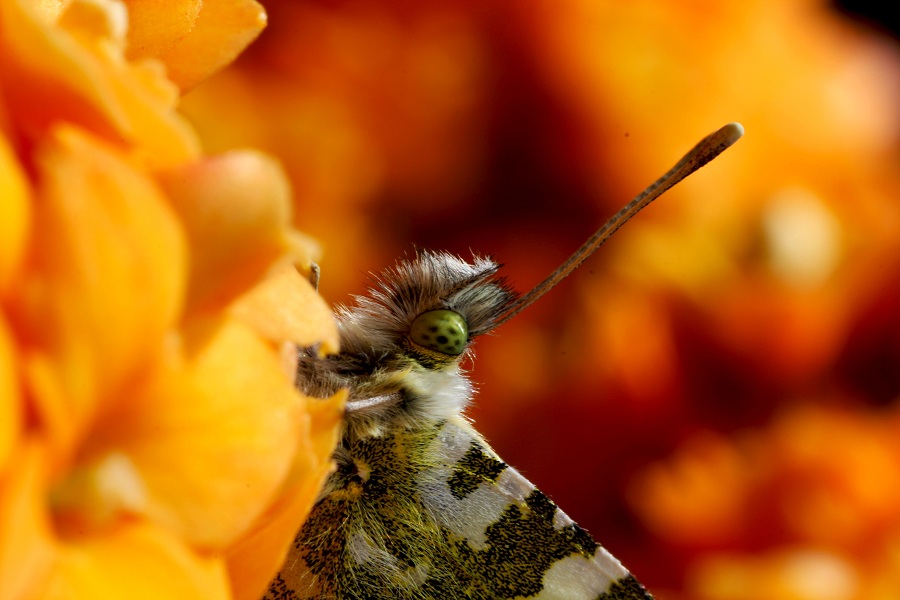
(707, 149)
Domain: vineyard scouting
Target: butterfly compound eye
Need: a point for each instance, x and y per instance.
(443, 331)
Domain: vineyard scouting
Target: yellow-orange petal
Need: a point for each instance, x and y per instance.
(39, 62)
(155, 26)
(108, 275)
(10, 395)
(285, 307)
(60, 399)
(236, 210)
(253, 562)
(136, 561)
(222, 31)
(209, 439)
(51, 75)
(26, 547)
(15, 214)
(158, 135)
(304, 251)
(91, 21)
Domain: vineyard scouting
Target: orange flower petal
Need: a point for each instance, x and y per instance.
(15, 214)
(108, 272)
(10, 396)
(789, 573)
(135, 561)
(60, 399)
(253, 561)
(80, 81)
(222, 31)
(90, 21)
(211, 440)
(700, 495)
(42, 63)
(160, 136)
(26, 551)
(285, 307)
(236, 208)
(304, 250)
(157, 26)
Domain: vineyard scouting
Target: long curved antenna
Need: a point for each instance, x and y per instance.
(707, 149)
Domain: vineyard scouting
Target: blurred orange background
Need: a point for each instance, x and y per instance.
(712, 395)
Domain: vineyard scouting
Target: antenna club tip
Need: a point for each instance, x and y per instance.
(732, 132)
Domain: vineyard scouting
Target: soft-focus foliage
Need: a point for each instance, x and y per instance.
(148, 422)
(713, 395)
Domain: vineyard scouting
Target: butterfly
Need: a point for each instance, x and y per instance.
(419, 506)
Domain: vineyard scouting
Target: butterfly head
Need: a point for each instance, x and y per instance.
(429, 308)
(412, 330)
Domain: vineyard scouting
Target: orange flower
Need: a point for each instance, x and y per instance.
(148, 421)
(819, 490)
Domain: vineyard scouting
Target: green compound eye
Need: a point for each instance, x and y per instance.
(443, 331)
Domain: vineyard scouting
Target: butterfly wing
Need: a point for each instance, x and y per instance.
(518, 540)
(433, 512)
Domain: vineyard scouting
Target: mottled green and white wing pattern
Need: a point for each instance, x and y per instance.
(433, 512)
